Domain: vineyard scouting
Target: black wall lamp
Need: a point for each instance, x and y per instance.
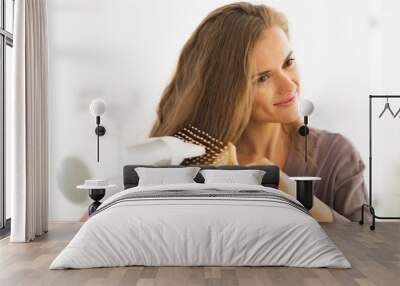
(97, 109)
(306, 108)
(304, 185)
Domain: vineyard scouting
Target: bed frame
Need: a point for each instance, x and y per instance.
(270, 179)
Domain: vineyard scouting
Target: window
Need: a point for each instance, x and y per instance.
(6, 44)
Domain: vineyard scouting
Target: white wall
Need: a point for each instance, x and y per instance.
(126, 51)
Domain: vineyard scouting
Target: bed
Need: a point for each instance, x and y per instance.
(201, 224)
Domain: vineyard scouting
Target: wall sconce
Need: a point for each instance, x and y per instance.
(97, 108)
(306, 107)
(304, 185)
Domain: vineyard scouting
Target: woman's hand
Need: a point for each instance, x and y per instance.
(229, 157)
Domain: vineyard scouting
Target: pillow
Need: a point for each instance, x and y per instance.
(162, 176)
(248, 177)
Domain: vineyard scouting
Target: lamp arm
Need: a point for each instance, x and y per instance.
(98, 145)
(98, 136)
(305, 138)
(99, 131)
(305, 147)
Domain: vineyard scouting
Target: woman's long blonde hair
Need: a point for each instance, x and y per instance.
(212, 84)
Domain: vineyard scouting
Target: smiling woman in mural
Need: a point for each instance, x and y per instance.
(237, 79)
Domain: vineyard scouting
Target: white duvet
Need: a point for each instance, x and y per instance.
(200, 231)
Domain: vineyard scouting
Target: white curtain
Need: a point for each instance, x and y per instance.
(28, 122)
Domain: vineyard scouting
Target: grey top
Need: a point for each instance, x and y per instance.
(341, 168)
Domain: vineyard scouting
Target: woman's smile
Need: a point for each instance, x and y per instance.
(286, 102)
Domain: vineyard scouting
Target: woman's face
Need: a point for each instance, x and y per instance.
(275, 81)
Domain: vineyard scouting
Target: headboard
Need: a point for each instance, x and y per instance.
(270, 179)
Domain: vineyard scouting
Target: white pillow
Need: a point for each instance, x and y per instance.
(248, 177)
(162, 176)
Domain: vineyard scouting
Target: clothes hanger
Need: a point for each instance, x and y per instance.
(387, 107)
(398, 111)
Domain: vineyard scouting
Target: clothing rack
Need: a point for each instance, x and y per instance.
(369, 205)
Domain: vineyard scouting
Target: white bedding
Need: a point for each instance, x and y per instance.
(227, 231)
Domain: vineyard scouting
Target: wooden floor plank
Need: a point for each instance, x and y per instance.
(374, 255)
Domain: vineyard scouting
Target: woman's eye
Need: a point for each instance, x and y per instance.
(262, 78)
(290, 62)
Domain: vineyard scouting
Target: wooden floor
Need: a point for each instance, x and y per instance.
(375, 257)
